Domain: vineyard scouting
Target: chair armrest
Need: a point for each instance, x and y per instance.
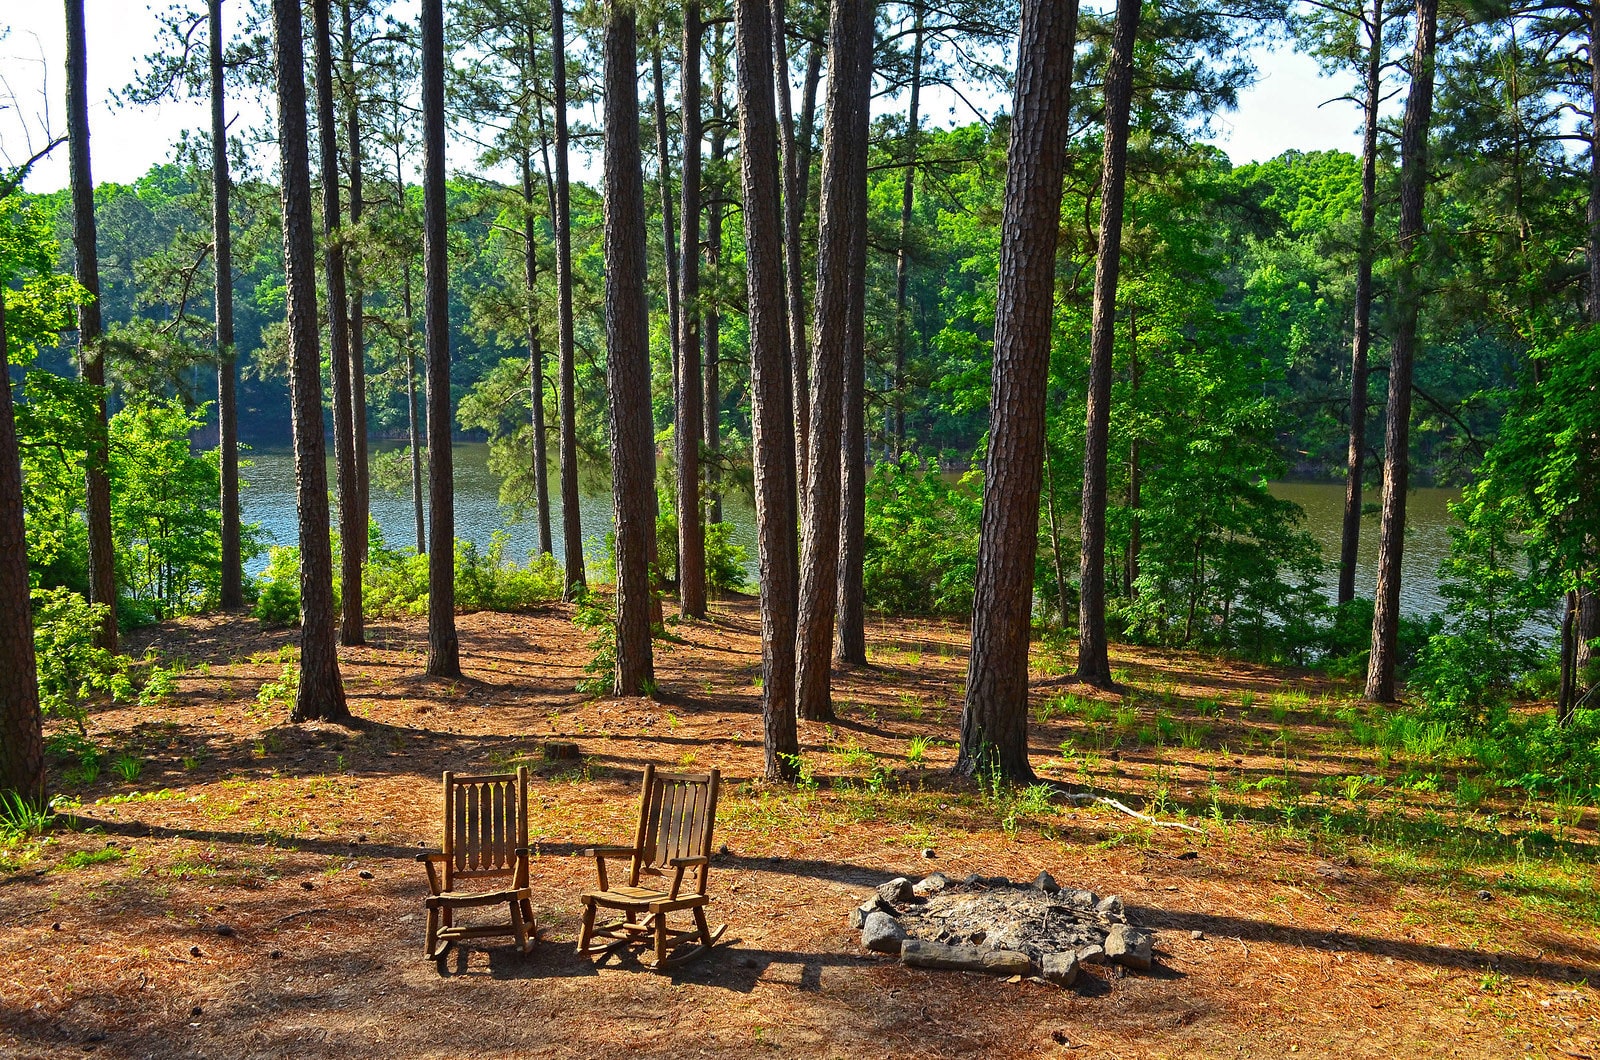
(601, 853)
(428, 862)
(680, 864)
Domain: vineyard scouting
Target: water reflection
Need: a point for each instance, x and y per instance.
(268, 499)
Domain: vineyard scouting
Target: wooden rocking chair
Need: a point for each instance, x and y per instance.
(676, 815)
(485, 842)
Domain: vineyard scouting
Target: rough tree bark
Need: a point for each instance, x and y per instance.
(232, 594)
(669, 235)
(902, 266)
(91, 354)
(320, 694)
(357, 288)
(571, 526)
(628, 351)
(413, 413)
(1355, 460)
(530, 275)
(1094, 665)
(21, 736)
(994, 718)
(351, 625)
(688, 406)
(444, 647)
(711, 325)
(1397, 424)
(794, 205)
(850, 644)
(844, 174)
(771, 414)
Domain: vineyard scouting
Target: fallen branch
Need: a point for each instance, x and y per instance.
(1090, 798)
(297, 916)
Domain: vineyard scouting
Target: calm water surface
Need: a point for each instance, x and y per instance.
(268, 499)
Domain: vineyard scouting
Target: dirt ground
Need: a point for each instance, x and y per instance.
(252, 891)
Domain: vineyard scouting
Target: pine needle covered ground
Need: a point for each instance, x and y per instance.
(232, 885)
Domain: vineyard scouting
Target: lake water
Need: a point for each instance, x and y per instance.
(268, 499)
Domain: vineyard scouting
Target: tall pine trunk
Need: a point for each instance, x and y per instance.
(1397, 425)
(21, 735)
(351, 626)
(628, 351)
(357, 288)
(902, 267)
(844, 173)
(711, 327)
(571, 525)
(91, 353)
(232, 594)
(669, 235)
(794, 205)
(1355, 460)
(1588, 620)
(994, 718)
(530, 275)
(850, 644)
(688, 407)
(444, 647)
(772, 423)
(1094, 664)
(320, 693)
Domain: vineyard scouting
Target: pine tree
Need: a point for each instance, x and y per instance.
(628, 351)
(320, 692)
(994, 718)
(1397, 423)
(444, 647)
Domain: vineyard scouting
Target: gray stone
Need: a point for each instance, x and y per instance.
(1046, 883)
(1059, 968)
(896, 890)
(875, 904)
(920, 954)
(882, 933)
(1092, 955)
(1198, 936)
(932, 883)
(1109, 906)
(1083, 899)
(1129, 947)
(929, 853)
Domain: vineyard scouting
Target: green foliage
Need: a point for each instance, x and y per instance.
(283, 690)
(21, 817)
(278, 589)
(921, 540)
(598, 615)
(73, 668)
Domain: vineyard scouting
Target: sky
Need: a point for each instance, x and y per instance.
(1286, 107)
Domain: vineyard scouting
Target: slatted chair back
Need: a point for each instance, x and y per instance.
(485, 827)
(677, 812)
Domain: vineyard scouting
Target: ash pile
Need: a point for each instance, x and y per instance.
(999, 926)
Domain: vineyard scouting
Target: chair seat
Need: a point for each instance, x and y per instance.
(642, 898)
(459, 899)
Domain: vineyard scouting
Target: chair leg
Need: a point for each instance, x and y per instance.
(531, 921)
(661, 938)
(700, 923)
(587, 931)
(433, 934)
(518, 928)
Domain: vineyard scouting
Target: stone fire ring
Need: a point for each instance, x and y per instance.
(998, 926)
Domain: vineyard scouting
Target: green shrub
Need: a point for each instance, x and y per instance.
(278, 595)
(598, 615)
(73, 668)
(921, 540)
(487, 581)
